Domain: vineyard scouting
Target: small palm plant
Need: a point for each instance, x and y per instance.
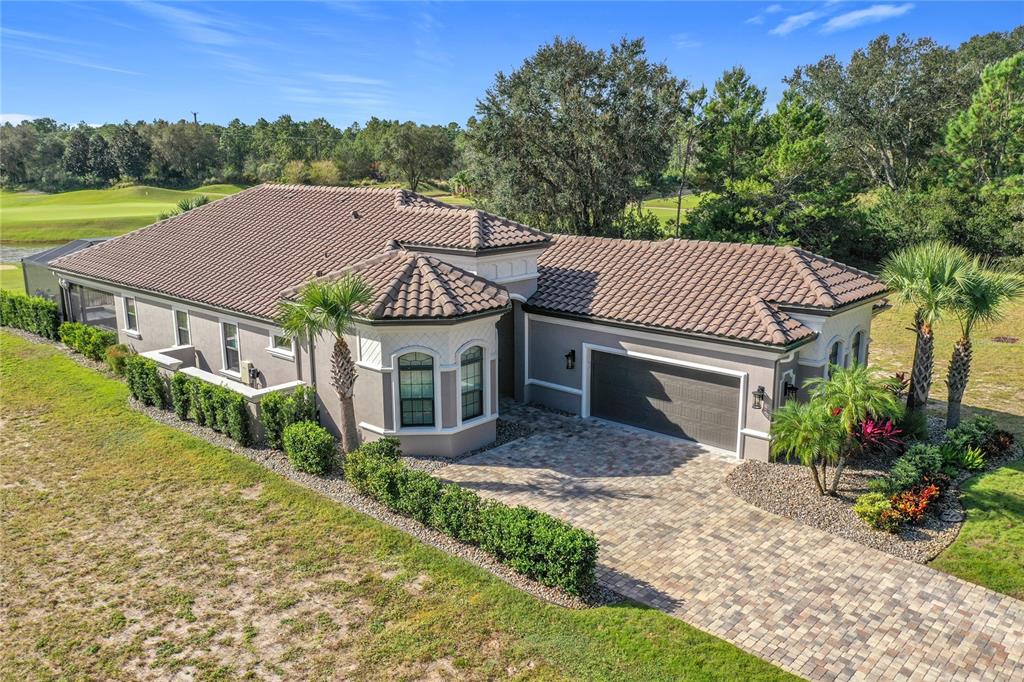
(329, 307)
(980, 300)
(807, 433)
(852, 395)
(926, 276)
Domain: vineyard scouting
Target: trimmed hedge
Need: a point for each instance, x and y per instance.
(533, 543)
(279, 411)
(32, 313)
(92, 342)
(144, 381)
(310, 447)
(216, 407)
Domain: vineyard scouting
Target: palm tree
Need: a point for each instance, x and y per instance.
(807, 433)
(850, 395)
(926, 276)
(329, 307)
(980, 300)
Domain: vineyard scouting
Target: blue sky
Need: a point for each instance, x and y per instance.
(346, 61)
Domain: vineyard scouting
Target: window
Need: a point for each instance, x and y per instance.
(92, 307)
(416, 389)
(229, 331)
(856, 350)
(281, 344)
(472, 370)
(833, 358)
(181, 328)
(131, 319)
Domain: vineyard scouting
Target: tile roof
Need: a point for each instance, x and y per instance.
(413, 286)
(239, 253)
(737, 291)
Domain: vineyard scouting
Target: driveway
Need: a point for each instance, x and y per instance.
(673, 536)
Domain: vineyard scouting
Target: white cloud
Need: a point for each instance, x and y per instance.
(794, 22)
(868, 15)
(65, 58)
(684, 41)
(15, 119)
(756, 19)
(772, 9)
(193, 26)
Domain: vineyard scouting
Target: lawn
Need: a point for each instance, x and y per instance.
(134, 550)
(11, 277)
(28, 217)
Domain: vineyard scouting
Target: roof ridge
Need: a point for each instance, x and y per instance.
(769, 318)
(391, 291)
(438, 284)
(476, 229)
(823, 295)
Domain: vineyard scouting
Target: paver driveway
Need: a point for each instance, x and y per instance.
(673, 536)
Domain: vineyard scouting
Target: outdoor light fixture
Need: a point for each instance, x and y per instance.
(760, 395)
(570, 359)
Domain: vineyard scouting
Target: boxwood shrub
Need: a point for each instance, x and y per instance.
(216, 407)
(32, 313)
(278, 411)
(310, 447)
(92, 342)
(144, 381)
(535, 544)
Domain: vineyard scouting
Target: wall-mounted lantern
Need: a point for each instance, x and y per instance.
(570, 359)
(760, 395)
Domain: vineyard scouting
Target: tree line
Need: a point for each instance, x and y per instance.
(905, 142)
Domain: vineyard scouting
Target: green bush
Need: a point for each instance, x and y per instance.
(144, 380)
(914, 424)
(972, 459)
(279, 411)
(876, 510)
(535, 544)
(310, 447)
(180, 394)
(91, 342)
(31, 313)
(920, 460)
(215, 407)
(973, 433)
(116, 356)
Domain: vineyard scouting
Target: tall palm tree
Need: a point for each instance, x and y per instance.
(926, 276)
(980, 300)
(807, 433)
(850, 395)
(329, 307)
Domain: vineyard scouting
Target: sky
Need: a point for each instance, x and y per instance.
(428, 62)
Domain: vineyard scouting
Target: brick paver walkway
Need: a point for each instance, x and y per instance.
(673, 536)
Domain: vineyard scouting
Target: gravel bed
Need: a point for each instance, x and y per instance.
(787, 490)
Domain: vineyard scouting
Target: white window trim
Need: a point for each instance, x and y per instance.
(839, 355)
(174, 323)
(862, 360)
(221, 321)
(396, 388)
(134, 333)
(278, 352)
(486, 375)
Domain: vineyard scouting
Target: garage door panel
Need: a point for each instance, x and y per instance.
(678, 401)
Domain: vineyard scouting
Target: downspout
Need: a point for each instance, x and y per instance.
(312, 373)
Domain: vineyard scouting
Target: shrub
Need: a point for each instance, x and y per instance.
(115, 356)
(998, 443)
(878, 436)
(31, 313)
(919, 462)
(144, 381)
(216, 407)
(914, 424)
(310, 447)
(91, 342)
(876, 510)
(912, 504)
(971, 433)
(180, 394)
(279, 411)
(535, 544)
(972, 459)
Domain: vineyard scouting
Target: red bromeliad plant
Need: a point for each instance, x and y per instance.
(878, 435)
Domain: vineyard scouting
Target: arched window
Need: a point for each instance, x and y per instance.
(416, 389)
(472, 371)
(856, 349)
(833, 357)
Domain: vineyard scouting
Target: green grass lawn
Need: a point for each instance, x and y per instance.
(11, 277)
(134, 550)
(27, 217)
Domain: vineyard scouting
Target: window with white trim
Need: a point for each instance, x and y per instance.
(182, 331)
(229, 333)
(416, 389)
(472, 389)
(131, 318)
(279, 343)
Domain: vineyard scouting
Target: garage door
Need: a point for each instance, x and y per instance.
(677, 401)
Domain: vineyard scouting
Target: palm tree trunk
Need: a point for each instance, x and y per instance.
(959, 374)
(924, 366)
(817, 479)
(837, 475)
(343, 378)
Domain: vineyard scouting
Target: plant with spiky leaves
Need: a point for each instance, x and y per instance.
(807, 433)
(329, 307)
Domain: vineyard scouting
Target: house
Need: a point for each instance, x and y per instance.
(693, 339)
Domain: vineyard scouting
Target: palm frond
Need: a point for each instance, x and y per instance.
(325, 306)
(927, 276)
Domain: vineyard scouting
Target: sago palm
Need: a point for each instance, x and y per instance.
(849, 396)
(807, 433)
(927, 277)
(980, 300)
(329, 307)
